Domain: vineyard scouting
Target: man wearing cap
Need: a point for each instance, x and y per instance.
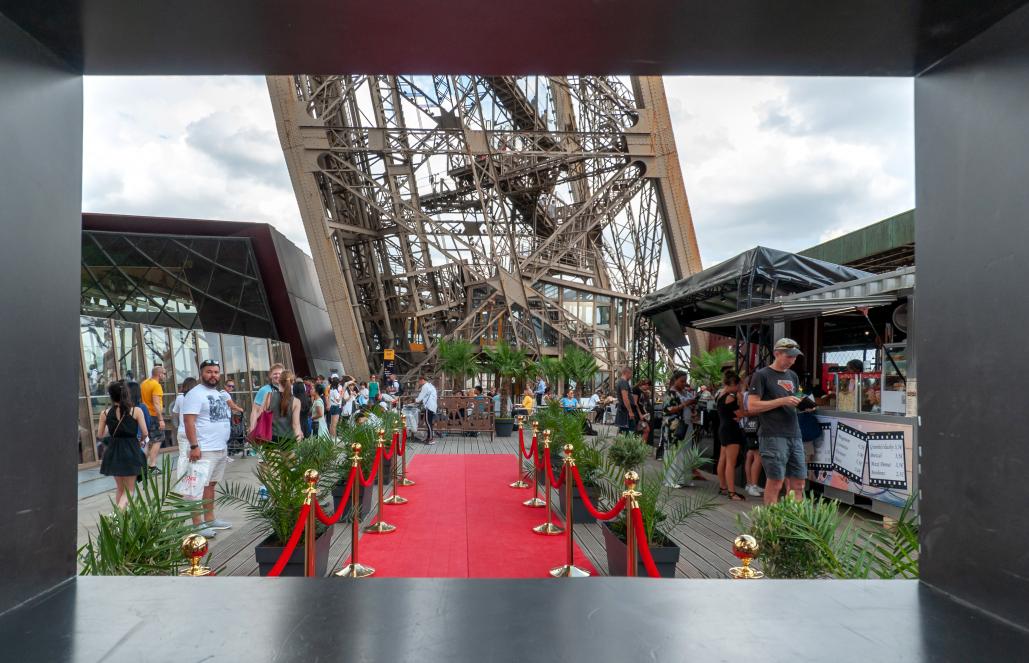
(772, 398)
(205, 412)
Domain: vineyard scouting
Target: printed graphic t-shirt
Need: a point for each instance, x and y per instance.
(213, 420)
(769, 384)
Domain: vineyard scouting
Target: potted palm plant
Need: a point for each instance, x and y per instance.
(281, 472)
(660, 508)
(458, 359)
(552, 370)
(579, 366)
(507, 363)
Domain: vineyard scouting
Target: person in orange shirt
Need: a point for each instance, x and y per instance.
(153, 400)
(528, 402)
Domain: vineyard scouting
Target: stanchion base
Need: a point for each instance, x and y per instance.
(519, 484)
(535, 502)
(395, 499)
(548, 528)
(406, 482)
(745, 573)
(355, 571)
(380, 527)
(569, 571)
(196, 572)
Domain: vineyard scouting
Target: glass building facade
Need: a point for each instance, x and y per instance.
(171, 300)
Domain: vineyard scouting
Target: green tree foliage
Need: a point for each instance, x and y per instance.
(458, 359)
(580, 366)
(552, 371)
(506, 362)
(706, 369)
(145, 538)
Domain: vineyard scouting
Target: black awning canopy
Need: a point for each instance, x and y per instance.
(753, 278)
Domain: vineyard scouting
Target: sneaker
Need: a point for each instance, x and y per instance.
(673, 485)
(759, 489)
(430, 442)
(155, 470)
(207, 532)
(229, 459)
(752, 491)
(218, 524)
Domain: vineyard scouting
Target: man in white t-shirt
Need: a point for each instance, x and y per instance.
(208, 423)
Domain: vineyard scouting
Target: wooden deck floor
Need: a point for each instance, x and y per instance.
(705, 539)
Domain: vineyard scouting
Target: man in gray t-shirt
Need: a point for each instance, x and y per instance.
(772, 398)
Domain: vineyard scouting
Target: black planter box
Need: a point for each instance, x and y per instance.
(504, 427)
(267, 555)
(665, 557)
(579, 512)
(366, 500)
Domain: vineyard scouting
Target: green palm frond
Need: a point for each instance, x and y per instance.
(706, 369)
(458, 359)
(580, 366)
(145, 537)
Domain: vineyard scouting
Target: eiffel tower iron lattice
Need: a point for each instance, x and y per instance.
(534, 208)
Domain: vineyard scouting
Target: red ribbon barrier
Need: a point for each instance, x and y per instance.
(559, 481)
(641, 544)
(294, 539)
(392, 448)
(375, 468)
(326, 520)
(599, 515)
(527, 454)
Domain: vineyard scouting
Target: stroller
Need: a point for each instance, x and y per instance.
(238, 435)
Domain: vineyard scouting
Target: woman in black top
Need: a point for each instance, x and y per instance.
(124, 425)
(730, 434)
(300, 393)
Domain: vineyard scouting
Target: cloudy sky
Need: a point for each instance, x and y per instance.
(782, 162)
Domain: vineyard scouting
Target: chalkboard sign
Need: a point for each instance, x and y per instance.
(822, 458)
(848, 455)
(887, 467)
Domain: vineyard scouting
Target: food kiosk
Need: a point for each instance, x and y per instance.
(859, 362)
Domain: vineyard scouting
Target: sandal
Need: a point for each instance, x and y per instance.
(736, 497)
(723, 491)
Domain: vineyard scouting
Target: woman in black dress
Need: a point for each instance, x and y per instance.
(730, 434)
(125, 425)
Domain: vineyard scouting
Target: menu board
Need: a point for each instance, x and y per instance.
(822, 458)
(887, 467)
(848, 454)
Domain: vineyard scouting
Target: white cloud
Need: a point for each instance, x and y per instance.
(783, 162)
(198, 147)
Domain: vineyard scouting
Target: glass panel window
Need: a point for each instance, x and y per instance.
(259, 360)
(210, 345)
(87, 449)
(234, 363)
(157, 350)
(184, 355)
(128, 351)
(97, 353)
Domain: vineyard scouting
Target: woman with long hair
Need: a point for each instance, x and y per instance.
(300, 393)
(285, 409)
(318, 424)
(335, 397)
(124, 424)
(730, 434)
(752, 462)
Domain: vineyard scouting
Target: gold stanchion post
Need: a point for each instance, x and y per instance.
(569, 569)
(535, 500)
(194, 547)
(404, 481)
(518, 454)
(630, 495)
(548, 528)
(745, 548)
(311, 477)
(355, 569)
(380, 526)
(395, 498)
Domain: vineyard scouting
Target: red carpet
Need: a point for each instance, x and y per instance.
(463, 521)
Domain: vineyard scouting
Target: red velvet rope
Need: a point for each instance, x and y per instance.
(527, 454)
(375, 468)
(559, 481)
(599, 515)
(326, 520)
(402, 446)
(298, 531)
(641, 544)
(392, 447)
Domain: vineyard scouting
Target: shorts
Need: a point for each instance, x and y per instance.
(219, 459)
(156, 436)
(783, 457)
(752, 444)
(335, 410)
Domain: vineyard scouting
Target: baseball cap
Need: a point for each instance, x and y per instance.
(789, 346)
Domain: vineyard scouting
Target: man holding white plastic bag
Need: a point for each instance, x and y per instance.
(208, 424)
